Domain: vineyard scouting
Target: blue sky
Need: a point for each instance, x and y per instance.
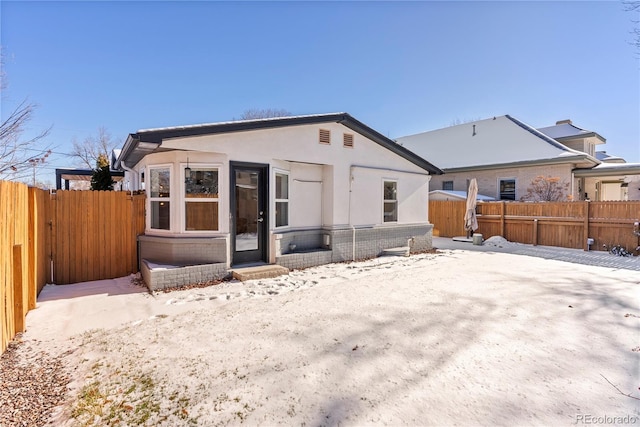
(400, 67)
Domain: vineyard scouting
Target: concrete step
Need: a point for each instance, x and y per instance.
(259, 272)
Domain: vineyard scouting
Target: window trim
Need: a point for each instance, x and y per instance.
(147, 171)
(183, 199)
(287, 200)
(385, 201)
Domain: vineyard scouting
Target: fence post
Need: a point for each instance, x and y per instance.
(18, 303)
(585, 225)
(502, 219)
(535, 232)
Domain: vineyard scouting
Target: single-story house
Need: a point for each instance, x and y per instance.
(294, 191)
(505, 155)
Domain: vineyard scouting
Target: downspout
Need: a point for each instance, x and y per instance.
(353, 228)
(134, 176)
(132, 173)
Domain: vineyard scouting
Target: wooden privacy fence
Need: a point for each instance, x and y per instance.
(64, 237)
(94, 234)
(564, 224)
(23, 255)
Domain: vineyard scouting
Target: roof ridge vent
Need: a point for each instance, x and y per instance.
(564, 122)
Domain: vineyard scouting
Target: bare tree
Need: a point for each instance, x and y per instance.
(18, 156)
(633, 6)
(264, 113)
(88, 152)
(457, 121)
(546, 189)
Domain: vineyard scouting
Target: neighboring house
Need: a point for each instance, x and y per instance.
(612, 179)
(81, 178)
(454, 195)
(296, 191)
(505, 155)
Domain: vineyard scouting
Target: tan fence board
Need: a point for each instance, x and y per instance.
(564, 224)
(95, 235)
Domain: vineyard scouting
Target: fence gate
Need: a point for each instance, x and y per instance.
(94, 234)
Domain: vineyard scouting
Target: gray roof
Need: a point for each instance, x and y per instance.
(502, 141)
(603, 156)
(568, 131)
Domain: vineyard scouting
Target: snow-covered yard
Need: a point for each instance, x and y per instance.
(454, 338)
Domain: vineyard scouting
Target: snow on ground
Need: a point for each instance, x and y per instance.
(455, 338)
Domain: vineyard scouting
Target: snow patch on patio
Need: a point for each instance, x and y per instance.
(457, 337)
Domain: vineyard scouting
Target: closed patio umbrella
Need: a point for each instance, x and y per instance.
(470, 220)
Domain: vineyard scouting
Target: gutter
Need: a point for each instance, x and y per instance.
(567, 159)
(126, 150)
(633, 169)
(133, 174)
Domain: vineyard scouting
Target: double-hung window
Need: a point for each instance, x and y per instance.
(508, 189)
(159, 197)
(390, 210)
(282, 199)
(201, 199)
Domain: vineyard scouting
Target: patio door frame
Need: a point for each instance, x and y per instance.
(261, 254)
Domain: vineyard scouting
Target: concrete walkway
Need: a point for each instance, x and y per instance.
(577, 256)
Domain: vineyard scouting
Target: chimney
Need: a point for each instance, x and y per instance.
(563, 122)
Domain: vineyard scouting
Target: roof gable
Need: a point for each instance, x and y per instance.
(145, 141)
(502, 140)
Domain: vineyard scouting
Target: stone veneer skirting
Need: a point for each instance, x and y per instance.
(171, 276)
(323, 246)
(205, 259)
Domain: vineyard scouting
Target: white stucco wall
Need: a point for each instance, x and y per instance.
(319, 175)
(367, 195)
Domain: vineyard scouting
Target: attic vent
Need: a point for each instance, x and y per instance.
(563, 122)
(348, 140)
(325, 136)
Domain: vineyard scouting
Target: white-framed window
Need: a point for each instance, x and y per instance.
(159, 197)
(282, 199)
(507, 187)
(201, 198)
(390, 202)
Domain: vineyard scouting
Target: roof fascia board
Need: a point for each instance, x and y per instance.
(585, 173)
(156, 136)
(389, 144)
(568, 159)
(580, 136)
